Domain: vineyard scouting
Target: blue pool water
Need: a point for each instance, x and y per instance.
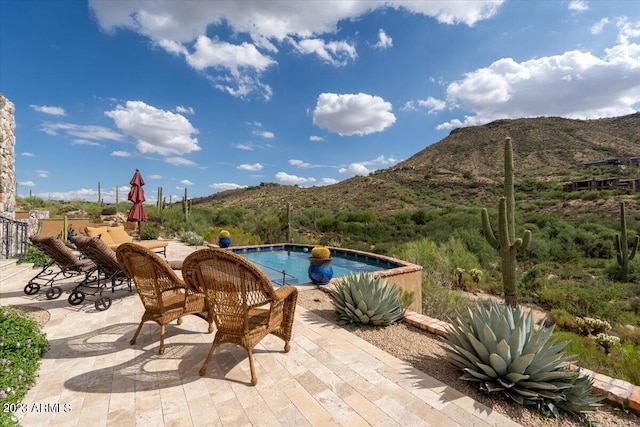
(295, 262)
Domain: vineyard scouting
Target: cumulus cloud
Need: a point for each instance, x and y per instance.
(431, 104)
(384, 41)
(285, 178)
(86, 132)
(316, 138)
(27, 184)
(27, 154)
(222, 186)
(41, 173)
(574, 84)
(53, 111)
(85, 142)
(337, 53)
(328, 181)
(368, 166)
(156, 131)
(243, 146)
(186, 182)
(154, 176)
(264, 134)
(352, 114)
(599, 26)
(180, 28)
(300, 164)
(247, 167)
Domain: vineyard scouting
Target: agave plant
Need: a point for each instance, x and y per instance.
(502, 351)
(367, 300)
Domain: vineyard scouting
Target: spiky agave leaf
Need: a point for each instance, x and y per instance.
(500, 349)
(364, 299)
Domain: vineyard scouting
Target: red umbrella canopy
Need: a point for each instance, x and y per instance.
(136, 195)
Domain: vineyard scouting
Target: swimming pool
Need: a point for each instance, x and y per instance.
(289, 264)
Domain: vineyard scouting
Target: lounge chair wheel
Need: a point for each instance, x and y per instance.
(54, 292)
(31, 288)
(103, 303)
(76, 298)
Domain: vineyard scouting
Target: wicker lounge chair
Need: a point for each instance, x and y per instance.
(246, 307)
(109, 271)
(69, 264)
(163, 294)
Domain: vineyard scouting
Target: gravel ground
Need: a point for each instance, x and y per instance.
(425, 352)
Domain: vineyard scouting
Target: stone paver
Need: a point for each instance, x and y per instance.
(329, 378)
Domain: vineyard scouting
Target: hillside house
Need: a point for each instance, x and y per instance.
(615, 183)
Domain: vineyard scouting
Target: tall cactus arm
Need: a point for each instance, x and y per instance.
(635, 246)
(525, 240)
(619, 252)
(487, 231)
(504, 236)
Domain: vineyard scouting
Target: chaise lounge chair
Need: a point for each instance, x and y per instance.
(109, 271)
(164, 295)
(245, 306)
(68, 263)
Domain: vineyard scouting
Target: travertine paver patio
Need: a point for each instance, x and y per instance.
(92, 376)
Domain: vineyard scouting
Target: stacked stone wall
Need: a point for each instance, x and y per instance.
(7, 158)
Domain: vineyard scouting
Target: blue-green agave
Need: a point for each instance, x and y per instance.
(364, 299)
(500, 349)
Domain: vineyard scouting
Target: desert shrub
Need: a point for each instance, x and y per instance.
(108, 210)
(22, 345)
(34, 256)
(627, 360)
(440, 301)
(563, 320)
(192, 238)
(149, 233)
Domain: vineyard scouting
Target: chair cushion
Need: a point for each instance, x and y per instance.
(102, 233)
(119, 235)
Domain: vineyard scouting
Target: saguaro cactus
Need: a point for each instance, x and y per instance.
(506, 242)
(185, 205)
(622, 246)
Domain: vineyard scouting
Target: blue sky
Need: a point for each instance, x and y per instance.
(211, 96)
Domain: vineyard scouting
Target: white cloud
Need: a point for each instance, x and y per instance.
(247, 167)
(352, 114)
(54, 111)
(599, 26)
(180, 161)
(578, 5)
(285, 178)
(574, 84)
(186, 182)
(27, 184)
(222, 186)
(368, 166)
(154, 176)
(180, 28)
(85, 142)
(431, 104)
(316, 138)
(27, 154)
(328, 181)
(300, 164)
(85, 132)
(264, 134)
(627, 30)
(337, 53)
(241, 146)
(156, 131)
(184, 110)
(384, 40)
(121, 154)
(41, 173)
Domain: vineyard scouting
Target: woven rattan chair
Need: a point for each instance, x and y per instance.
(69, 265)
(109, 269)
(246, 307)
(163, 294)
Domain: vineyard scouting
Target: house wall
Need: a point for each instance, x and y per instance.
(7, 158)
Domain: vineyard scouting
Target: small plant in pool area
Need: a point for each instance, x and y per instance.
(192, 238)
(500, 349)
(149, 233)
(321, 252)
(22, 345)
(367, 300)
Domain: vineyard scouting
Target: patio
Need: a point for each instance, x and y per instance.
(92, 376)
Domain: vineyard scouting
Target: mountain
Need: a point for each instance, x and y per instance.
(464, 167)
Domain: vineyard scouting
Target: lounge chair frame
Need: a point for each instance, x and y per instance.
(109, 272)
(68, 265)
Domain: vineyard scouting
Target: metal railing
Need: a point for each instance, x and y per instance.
(14, 238)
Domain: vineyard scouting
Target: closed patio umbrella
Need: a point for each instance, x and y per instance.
(136, 195)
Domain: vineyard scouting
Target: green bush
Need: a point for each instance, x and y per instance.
(628, 362)
(149, 233)
(192, 238)
(22, 345)
(34, 256)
